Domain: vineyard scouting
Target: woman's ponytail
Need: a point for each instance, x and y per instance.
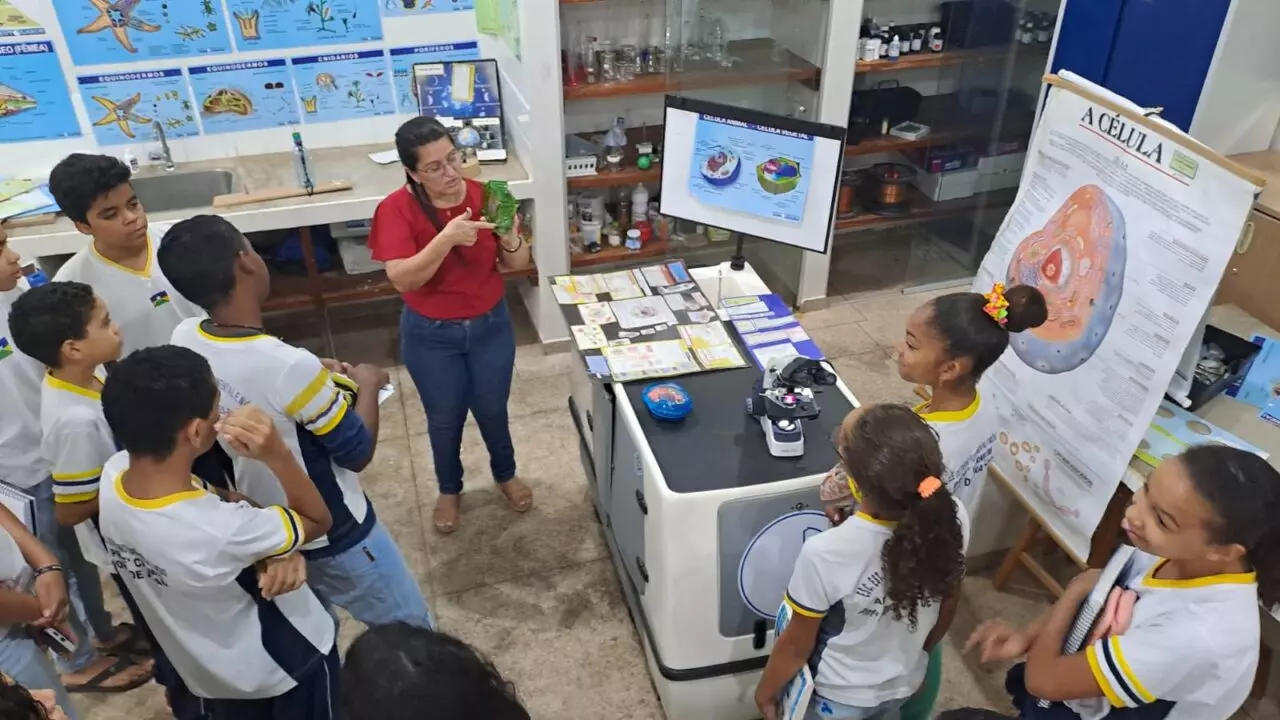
(924, 558)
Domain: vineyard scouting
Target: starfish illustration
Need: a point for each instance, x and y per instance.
(121, 113)
(118, 18)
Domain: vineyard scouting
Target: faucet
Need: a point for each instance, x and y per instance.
(164, 153)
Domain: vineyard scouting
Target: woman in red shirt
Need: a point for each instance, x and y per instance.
(456, 338)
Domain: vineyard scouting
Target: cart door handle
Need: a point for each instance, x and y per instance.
(644, 506)
(758, 634)
(1246, 239)
(644, 571)
(590, 425)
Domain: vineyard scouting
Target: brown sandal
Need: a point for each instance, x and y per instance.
(445, 518)
(519, 496)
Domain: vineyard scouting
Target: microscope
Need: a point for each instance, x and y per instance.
(783, 396)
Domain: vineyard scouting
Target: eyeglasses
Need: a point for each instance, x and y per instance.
(436, 169)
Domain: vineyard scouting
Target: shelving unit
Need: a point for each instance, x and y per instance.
(757, 67)
(946, 58)
(296, 292)
(922, 208)
(610, 255)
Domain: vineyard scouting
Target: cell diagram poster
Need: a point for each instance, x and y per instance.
(246, 95)
(280, 24)
(1126, 228)
(343, 86)
(123, 107)
(404, 58)
(98, 32)
(34, 102)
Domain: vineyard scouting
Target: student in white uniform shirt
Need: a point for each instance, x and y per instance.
(120, 262)
(1207, 530)
(189, 557)
(332, 432)
(871, 596)
(66, 328)
(947, 345)
(33, 596)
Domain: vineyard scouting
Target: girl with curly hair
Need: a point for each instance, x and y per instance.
(872, 596)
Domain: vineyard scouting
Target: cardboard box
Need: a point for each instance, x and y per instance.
(1009, 162)
(943, 158)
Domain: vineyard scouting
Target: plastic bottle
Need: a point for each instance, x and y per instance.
(639, 200)
(34, 275)
(131, 160)
(935, 38)
(303, 170)
(917, 41)
(895, 48)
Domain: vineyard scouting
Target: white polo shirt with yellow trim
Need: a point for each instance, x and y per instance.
(22, 462)
(77, 441)
(188, 560)
(967, 438)
(1191, 647)
(143, 303)
(863, 657)
(312, 409)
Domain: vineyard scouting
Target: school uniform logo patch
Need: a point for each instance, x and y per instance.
(160, 299)
(5, 349)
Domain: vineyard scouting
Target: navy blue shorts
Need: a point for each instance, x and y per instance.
(314, 698)
(1028, 706)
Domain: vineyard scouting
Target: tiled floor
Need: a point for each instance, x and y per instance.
(537, 592)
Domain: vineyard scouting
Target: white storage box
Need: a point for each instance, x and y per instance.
(1009, 162)
(951, 185)
(357, 259)
(998, 181)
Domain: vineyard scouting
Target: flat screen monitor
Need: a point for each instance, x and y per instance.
(466, 97)
(765, 175)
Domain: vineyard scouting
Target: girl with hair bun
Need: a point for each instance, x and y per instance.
(947, 345)
(871, 597)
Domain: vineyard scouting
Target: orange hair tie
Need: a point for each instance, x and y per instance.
(929, 486)
(997, 306)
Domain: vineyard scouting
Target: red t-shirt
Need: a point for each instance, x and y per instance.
(468, 282)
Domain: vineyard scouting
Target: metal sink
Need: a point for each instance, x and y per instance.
(183, 190)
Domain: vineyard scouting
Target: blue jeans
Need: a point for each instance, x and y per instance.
(29, 666)
(823, 709)
(460, 366)
(84, 583)
(372, 582)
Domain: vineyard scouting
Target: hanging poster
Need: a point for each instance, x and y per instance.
(278, 24)
(344, 86)
(16, 23)
(751, 169)
(1126, 228)
(34, 103)
(118, 31)
(404, 58)
(123, 106)
(249, 95)
(399, 8)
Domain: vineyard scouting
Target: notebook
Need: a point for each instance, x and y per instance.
(796, 696)
(1114, 573)
(20, 504)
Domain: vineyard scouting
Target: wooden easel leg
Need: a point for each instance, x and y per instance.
(1108, 536)
(1013, 557)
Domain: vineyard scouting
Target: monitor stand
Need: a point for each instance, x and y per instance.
(738, 261)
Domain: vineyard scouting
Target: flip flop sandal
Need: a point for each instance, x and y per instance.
(134, 642)
(94, 684)
(521, 503)
(442, 525)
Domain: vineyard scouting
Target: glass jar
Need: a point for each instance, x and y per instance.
(608, 62)
(628, 62)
